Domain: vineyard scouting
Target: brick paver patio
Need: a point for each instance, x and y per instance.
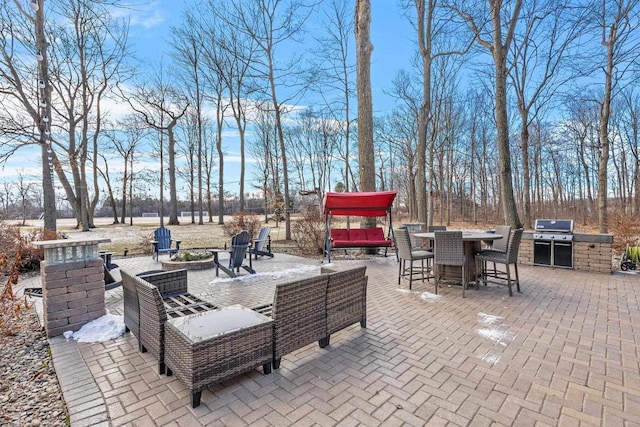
(564, 352)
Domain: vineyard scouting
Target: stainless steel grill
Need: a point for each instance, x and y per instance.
(553, 243)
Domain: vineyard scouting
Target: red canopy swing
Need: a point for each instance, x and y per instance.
(367, 204)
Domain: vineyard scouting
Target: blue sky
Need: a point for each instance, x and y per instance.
(391, 35)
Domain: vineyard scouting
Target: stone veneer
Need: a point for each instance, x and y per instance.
(73, 287)
(591, 252)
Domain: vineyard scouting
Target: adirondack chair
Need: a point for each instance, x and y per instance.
(261, 243)
(240, 244)
(162, 242)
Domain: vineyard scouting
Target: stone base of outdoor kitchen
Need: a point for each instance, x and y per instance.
(591, 252)
(188, 265)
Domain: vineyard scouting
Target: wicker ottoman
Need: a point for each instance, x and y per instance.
(205, 348)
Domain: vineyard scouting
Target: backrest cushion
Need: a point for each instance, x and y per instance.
(375, 234)
(339, 234)
(357, 234)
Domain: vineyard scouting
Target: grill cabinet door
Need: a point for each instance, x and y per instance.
(541, 252)
(563, 254)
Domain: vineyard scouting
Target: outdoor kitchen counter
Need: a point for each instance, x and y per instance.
(592, 252)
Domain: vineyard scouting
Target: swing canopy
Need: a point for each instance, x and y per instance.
(372, 203)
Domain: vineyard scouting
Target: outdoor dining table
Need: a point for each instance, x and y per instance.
(471, 241)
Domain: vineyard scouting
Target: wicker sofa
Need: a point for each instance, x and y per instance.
(160, 295)
(346, 300)
(311, 309)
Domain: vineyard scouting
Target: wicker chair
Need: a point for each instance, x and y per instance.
(131, 304)
(407, 254)
(346, 300)
(507, 258)
(299, 313)
(155, 308)
(499, 245)
(449, 251)
(432, 229)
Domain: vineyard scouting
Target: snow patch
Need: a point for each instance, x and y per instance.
(105, 328)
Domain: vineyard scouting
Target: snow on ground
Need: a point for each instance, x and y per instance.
(105, 328)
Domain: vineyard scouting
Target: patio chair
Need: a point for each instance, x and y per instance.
(407, 254)
(506, 258)
(240, 244)
(261, 243)
(432, 229)
(499, 245)
(156, 304)
(449, 251)
(162, 242)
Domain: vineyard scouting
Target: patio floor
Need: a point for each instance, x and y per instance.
(564, 352)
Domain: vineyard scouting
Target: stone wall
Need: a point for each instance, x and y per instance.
(591, 252)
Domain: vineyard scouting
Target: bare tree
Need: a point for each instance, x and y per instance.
(189, 51)
(272, 23)
(631, 106)
(25, 188)
(337, 70)
(539, 52)
(498, 17)
(431, 22)
(106, 176)
(234, 56)
(619, 22)
(161, 106)
(27, 110)
(124, 140)
(265, 148)
(86, 59)
(214, 65)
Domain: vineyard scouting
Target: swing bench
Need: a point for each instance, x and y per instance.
(363, 204)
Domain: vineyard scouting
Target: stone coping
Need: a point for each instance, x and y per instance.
(188, 265)
(579, 237)
(65, 243)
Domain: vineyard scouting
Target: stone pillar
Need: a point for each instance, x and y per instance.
(73, 288)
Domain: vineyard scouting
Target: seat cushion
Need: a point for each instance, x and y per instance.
(421, 254)
(492, 256)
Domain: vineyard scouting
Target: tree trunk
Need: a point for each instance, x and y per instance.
(365, 102)
(173, 191)
(502, 124)
(605, 113)
(526, 178)
(48, 192)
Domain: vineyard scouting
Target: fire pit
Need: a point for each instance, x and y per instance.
(195, 259)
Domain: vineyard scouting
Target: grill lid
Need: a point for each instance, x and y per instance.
(554, 225)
